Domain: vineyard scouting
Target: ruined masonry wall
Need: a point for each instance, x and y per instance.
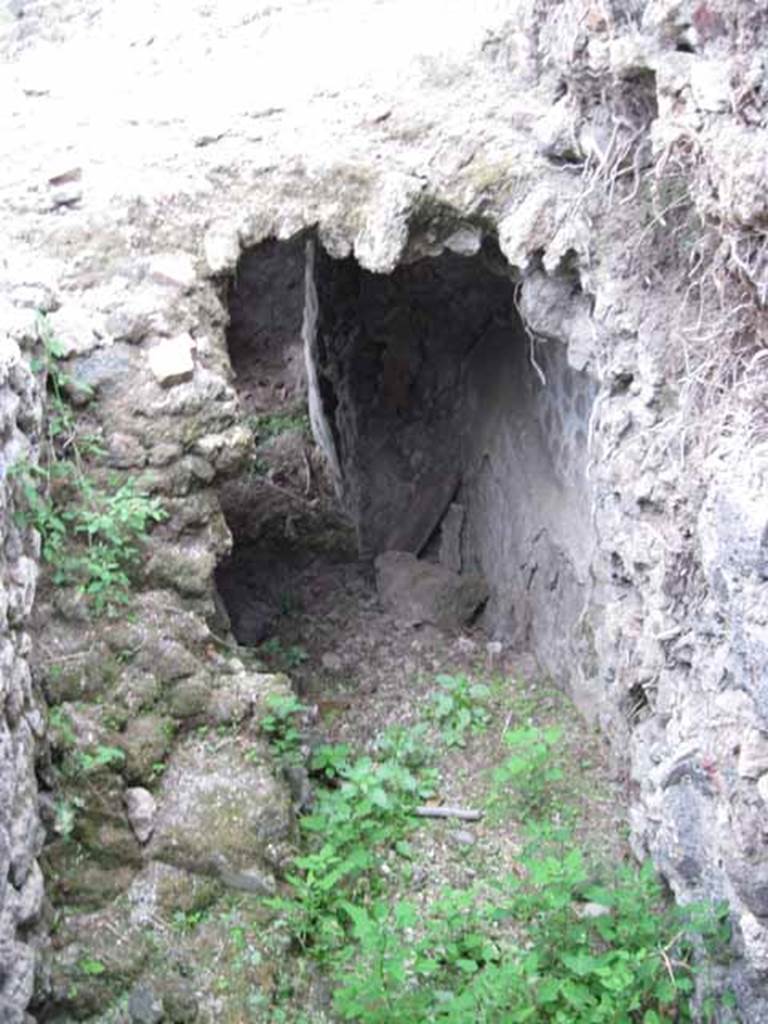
(21, 722)
(606, 144)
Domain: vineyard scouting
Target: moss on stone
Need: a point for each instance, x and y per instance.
(146, 742)
(188, 698)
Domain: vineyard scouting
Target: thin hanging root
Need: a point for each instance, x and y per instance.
(531, 336)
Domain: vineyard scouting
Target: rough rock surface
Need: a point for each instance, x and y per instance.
(22, 723)
(415, 591)
(233, 821)
(141, 808)
(616, 154)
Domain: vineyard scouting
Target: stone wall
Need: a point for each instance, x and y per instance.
(169, 820)
(528, 501)
(22, 725)
(617, 152)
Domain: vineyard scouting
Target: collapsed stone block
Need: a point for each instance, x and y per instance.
(416, 591)
(170, 360)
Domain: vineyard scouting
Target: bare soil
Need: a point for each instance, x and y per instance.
(363, 672)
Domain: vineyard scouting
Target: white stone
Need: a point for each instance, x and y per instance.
(331, 662)
(76, 332)
(227, 449)
(710, 85)
(463, 837)
(10, 356)
(629, 54)
(465, 242)
(222, 248)
(175, 268)
(30, 896)
(556, 132)
(590, 910)
(141, 808)
(385, 232)
(532, 224)
(465, 645)
(755, 941)
(753, 755)
(170, 360)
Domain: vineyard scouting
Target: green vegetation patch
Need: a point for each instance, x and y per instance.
(90, 531)
(558, 939)
(269, 425)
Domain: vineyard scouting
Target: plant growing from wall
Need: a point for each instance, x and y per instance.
(281, 725)
(268, 425)
(90, 533)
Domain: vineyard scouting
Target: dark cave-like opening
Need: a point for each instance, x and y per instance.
(440, 427)
(397, 351)
(266, 305)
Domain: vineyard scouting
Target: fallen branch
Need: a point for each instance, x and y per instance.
(462, 813)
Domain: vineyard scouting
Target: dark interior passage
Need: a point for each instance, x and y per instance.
(266, 305)
(441, 428)
(395, 351)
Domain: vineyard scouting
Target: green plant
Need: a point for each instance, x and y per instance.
(268, 425)
(330, 760)
(65, 815)
(295, 655)
(286, 658)
(91, 966)
(530, 953)
(557, 942)
(281, 725)
(527, 780)
(408, 745)
(86, 762)
(352, 825)
(458, 707)
(256, 468)
(290, 603)
(90, 534)
(61, 730)
(185, 921)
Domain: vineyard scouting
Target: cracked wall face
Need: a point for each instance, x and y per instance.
(528, 497)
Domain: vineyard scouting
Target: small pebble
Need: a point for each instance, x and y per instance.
(144, 1007)
(592, 910)
(420, 878)
(462, 837)
(494, 649)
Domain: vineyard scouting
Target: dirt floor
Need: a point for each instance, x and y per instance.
(364, 672)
